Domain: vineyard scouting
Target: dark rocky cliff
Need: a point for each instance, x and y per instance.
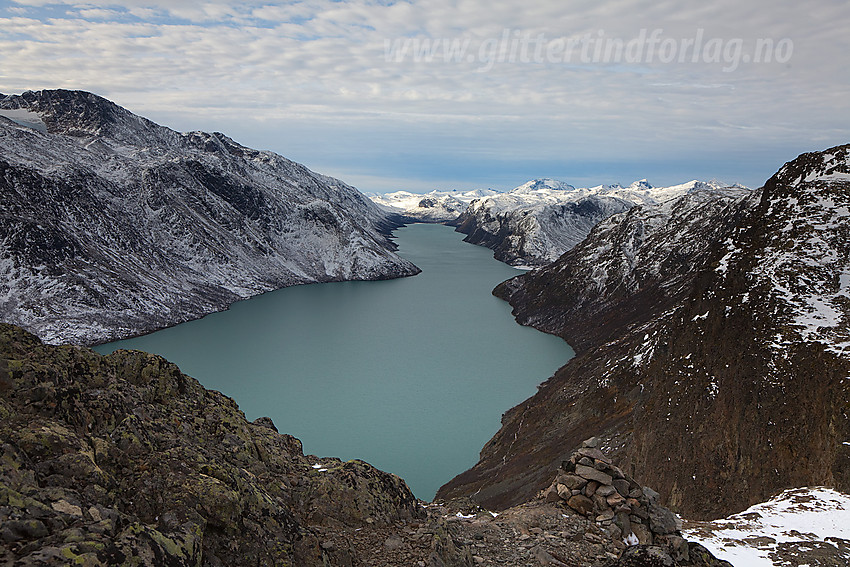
(711, 345)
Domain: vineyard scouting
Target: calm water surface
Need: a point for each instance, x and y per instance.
(411, 375)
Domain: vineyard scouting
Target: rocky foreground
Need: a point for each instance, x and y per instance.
(124, 460)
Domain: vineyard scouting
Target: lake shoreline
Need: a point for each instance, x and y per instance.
(409, 374)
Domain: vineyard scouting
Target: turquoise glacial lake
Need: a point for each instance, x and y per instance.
(411, 375)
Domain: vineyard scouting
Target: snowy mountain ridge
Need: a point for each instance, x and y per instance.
(537, 222)
(113, 225)
(435, 206)
(806, 280)
(540, 192)
(833, 165)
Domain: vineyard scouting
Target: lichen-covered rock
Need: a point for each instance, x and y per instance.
(124, 460)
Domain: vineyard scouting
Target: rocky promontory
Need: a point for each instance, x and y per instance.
(108, 460)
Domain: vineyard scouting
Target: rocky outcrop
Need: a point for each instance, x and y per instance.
(113, 225)
(122, 459)
(711, 344)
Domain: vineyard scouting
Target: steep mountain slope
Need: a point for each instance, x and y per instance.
(538, 221)
(111, 225)
(436, 206)
(712, 347)
(630, 267)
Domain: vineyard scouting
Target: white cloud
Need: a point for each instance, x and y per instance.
(324, 62)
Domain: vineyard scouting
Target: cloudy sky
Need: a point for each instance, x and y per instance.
(463, 94)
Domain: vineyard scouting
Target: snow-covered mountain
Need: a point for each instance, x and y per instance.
(538, 221)
(711, 334)
(653, 250)
(111, 225)
(436, 206)
(643, 193)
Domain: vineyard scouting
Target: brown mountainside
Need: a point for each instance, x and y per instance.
(709, 334)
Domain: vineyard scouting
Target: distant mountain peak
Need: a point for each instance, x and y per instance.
(436, 206)
(543, 184)
(640, 184)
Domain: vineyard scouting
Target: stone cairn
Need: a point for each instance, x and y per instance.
(593, 486)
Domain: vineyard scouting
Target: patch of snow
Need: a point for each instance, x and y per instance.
(713, 388)
(817, 176)
(844, 284)
(723, 265)
(25, 117)
(799, 521)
